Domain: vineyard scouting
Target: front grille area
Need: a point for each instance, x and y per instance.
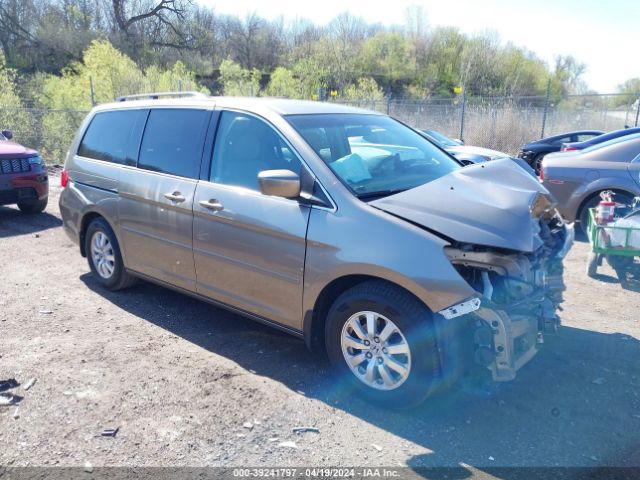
(14, 165)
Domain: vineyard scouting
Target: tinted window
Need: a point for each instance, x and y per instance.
(373, 155)
(110, 134)
(244, 147)
(560, 140)
(173, 141)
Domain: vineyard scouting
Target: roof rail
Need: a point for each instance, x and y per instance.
(155, 96)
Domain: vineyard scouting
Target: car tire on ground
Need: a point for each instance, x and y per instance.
(35, 206)
(536, 163)
(103, 255)
(380, 339)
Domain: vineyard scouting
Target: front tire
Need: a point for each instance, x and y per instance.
(36, 206)
(104, 257)
(381, 341)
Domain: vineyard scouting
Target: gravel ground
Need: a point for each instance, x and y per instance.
(188, 384)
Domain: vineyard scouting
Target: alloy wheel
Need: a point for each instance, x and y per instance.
(375, 350)
(102, 255)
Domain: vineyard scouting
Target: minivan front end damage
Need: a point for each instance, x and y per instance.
(507, 241)
(519, 295)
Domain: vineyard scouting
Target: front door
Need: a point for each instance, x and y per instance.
(249, 249)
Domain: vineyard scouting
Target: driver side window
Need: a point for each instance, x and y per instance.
(245, 146)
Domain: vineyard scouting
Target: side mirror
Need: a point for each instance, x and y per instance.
(458, 141)
(279, 183)
(8, 134)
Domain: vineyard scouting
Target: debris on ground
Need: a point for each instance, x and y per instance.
(8, 384)
(377, 447)
(16, 413)
(46, 312)
(7, 399)
(248, 425)
(109, 432)
(305, 429)
(288, 445)
(491, 458)
(599, 381)
(30, 383)
(88, 467)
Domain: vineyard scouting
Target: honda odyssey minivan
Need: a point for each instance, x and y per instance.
(338, 225)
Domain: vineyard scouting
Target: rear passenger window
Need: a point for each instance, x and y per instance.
(110, 136)
(173, 141)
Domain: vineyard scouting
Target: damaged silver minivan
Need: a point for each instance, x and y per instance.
(335, 224)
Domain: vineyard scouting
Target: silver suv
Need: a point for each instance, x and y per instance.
(338, 225)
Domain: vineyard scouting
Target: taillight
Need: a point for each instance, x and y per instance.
(541, 173)
(64, 178)
(568, 149)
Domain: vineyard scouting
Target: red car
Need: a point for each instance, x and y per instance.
(23, 177)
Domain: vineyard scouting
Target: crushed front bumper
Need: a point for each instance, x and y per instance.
(518, 297)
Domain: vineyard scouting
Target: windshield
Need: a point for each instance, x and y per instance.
(438, 137)
(373, 155)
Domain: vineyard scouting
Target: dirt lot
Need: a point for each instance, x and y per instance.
(189, 384)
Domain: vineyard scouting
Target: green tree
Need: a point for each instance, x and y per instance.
(387, 55)
(365, 88)
(283, 84)
(238, 81)
(177, 78)
(12, 114)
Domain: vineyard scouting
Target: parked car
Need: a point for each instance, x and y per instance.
(566, 147)
(470, 155)
(466, 154)
(534, 151)
(576, 178)
(440, 138)
(338, 225)
(23, 177)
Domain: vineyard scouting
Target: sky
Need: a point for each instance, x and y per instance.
(603, 34)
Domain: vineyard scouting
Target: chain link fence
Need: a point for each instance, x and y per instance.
(500, 123)
(506, 123)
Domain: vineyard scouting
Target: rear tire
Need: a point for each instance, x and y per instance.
(35, 206)
(104, 257)
(395, 357)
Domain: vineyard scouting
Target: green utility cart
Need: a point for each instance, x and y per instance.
(620, 245)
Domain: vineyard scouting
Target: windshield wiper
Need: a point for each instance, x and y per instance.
(379, 193)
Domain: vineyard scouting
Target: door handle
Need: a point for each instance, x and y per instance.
(175, 197)
(212, 204)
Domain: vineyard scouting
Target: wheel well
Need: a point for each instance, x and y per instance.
(86, 220)
(594, 195)
(314, 322)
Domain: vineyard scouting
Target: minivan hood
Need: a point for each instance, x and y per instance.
(485, 204)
